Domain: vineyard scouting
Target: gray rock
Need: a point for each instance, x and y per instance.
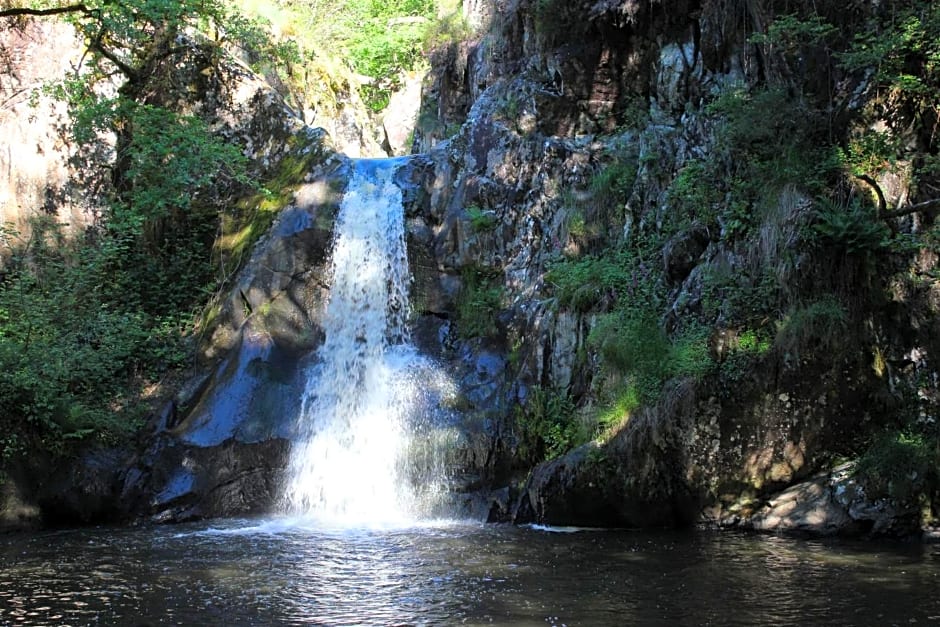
(835, 503)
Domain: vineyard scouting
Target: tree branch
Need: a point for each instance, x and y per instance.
(882, 203)
(19, 11)
(927, 206)
(131, 73)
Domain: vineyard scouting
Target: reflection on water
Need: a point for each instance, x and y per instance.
(285, 573)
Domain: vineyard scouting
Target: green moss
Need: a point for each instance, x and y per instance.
(254, 214)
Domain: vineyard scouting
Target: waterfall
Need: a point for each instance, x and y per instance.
(365, 419)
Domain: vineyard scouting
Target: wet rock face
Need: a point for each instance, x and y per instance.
(282, 286)
(184, 482)
(221, 448)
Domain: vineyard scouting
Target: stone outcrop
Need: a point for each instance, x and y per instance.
(834, 503)
(221, 446)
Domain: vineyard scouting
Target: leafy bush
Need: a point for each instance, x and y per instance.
(819, 324)
(75, 351)
(581, 284)
(739, 299)
(587, 283)
(900, 465)
(624, 403)
(631, 343)
(851, 230)
(479, 302)
(548, 426)
(611, 185)
(88, 325)
(792, 32)
(576, 225)
(694, 193)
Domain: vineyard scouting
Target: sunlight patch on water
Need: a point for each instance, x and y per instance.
(562, 529)
(313, 525)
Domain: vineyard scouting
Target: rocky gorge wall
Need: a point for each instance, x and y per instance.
(554, 99)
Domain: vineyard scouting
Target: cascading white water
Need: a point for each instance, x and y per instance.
(354, 461)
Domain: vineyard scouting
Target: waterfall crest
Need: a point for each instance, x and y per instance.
(354, 459)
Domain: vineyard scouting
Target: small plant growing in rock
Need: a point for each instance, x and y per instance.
(852, 230)
(548, 426)
(480, 219)
(819, 324)
(611, 185)
(480, 300)
(577, 226)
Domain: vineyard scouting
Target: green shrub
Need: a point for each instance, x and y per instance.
(792, 32)
(582, 283)
(479, 302)
(694, 194)
(851, 230)
(481, 220)
(575, 223)
(900, 465)
(88, 324)
(739, 299)
(548, 426)
(612, 184)
(589, 282)
(770, 140)
(631, 343)
(626, 401)
(820, 325)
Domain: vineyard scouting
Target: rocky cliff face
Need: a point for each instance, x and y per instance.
(682, 349)
(37, 179)
(583, 127)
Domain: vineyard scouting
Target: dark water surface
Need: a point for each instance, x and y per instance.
(277, 572)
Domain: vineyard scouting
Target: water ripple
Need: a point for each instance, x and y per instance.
(287, 572)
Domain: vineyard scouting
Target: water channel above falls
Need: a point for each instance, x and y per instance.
(277, 573)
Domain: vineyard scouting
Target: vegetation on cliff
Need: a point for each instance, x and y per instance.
(786, 243)
(95, 330)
